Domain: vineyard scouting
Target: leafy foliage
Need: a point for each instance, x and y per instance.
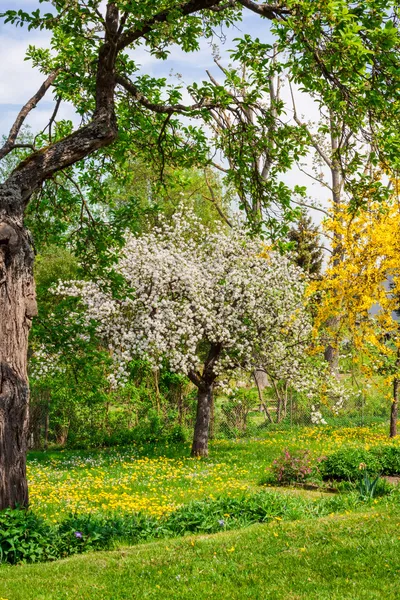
(350, 463)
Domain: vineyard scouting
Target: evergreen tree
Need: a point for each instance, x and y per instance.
(307, 248)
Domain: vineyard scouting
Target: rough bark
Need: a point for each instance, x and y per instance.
(17, 308)
(201, 430)
(205, 385)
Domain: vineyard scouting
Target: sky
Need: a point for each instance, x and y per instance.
(19, 80)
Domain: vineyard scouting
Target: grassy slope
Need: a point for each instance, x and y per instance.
(351, 557)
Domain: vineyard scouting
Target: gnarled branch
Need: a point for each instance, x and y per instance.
(159, 108)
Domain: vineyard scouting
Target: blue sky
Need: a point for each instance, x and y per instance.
(19, 81)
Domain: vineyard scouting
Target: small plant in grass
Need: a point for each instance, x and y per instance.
(294, 467)
(367, 484)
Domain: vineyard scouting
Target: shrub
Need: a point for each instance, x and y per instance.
(178, 434)
(347, 463)
(389, 459)
(24, 537)
(294, 467)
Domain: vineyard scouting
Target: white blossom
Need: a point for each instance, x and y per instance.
(187, 287)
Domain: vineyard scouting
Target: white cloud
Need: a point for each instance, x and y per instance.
(19, 81)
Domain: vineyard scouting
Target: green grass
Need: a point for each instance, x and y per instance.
(158, 479)
(348, 557)
(352, 555)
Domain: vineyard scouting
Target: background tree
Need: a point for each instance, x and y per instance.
(208, 305)
(362, 290)
(252, 132)
(307, 251)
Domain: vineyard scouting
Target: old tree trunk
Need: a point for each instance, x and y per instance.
(17, 288)
(17, 307)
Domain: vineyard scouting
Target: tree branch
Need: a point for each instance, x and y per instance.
(311, 206)
(23, 113)
(159, 108)
(214, 201)
(195, 378)
(189, 8)
(313, 141)
(100, 132)
(269, 11)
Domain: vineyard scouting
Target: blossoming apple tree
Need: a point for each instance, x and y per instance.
(208, 305)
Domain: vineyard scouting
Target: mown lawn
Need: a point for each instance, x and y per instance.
(157, 479)
(347, 557)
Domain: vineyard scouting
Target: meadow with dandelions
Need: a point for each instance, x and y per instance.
(158, 479)
(149, 507)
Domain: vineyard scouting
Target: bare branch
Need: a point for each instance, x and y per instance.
(53, 116)
(311, 206)
(220, 167)
(313, 140)
(320, 181)
(23, 113)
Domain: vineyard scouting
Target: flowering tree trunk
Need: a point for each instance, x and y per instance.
(202, 426)
(205, 385)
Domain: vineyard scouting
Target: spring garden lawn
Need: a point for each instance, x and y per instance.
(158, 479)
(348, 554)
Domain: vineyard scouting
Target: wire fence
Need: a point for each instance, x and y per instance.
(242, 414)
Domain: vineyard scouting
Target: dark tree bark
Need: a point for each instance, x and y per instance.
(201, 430)
(205, 385)
(212, 416)
(17, 307)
